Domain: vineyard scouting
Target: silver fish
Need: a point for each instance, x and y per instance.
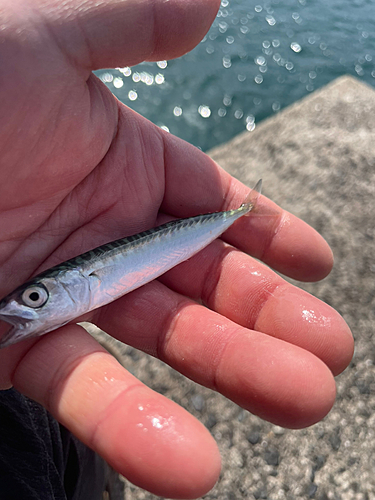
(67, 291)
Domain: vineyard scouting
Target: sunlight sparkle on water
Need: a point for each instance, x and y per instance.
(227, 100)
(223, 26)
(107, 78)
(118, 83)
(159, 79)
(250, 123)
(227, 63)
(296, 17)
(136, 77)
(147, 78)
(296, 47)
(204, 111)
(260, 60)
(125, 71)
(271, 20)
(257, 58)
(250, 127)
(177, 111)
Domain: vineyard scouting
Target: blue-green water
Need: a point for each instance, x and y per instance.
(257, 58)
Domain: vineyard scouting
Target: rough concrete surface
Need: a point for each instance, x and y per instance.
(317, 160)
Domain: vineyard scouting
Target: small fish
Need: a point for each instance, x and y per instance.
(67, 291)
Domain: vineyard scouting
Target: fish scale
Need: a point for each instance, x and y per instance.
(97, 277)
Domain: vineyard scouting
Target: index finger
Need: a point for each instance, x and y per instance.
(196, 184)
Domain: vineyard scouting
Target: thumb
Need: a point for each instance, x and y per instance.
(117, 32)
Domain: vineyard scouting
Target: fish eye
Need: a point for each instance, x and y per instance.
(35, 296)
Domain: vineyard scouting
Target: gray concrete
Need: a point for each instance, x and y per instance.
(317, 160)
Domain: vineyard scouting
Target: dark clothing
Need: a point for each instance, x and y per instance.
(40, 459)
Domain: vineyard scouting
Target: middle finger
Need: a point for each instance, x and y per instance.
(252, 295)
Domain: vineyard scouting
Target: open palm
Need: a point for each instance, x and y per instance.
(79, 169)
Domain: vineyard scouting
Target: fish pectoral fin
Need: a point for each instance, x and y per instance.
(102, 272)
(94, 275)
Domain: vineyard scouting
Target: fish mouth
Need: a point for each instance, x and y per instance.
(16, 332)
(10, 338)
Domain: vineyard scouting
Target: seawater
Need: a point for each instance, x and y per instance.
(256, 59)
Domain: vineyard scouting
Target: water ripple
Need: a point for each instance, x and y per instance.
(256, 59)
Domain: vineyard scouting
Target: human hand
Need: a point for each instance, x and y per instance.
(79, 169)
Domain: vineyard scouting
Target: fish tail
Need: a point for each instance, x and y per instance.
(251, 199)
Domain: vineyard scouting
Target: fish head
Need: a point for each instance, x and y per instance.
(35, 308)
